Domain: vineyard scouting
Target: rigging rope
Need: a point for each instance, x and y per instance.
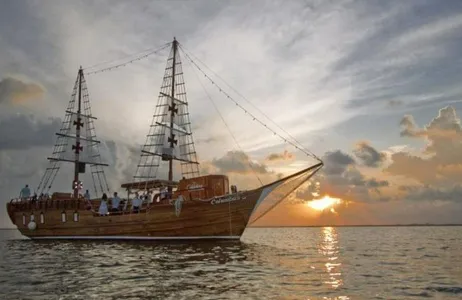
(127, 62)
(223, 119)
(125, 57)
(301, 148)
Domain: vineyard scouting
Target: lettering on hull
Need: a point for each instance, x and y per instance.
(226, 199)
(195, 186)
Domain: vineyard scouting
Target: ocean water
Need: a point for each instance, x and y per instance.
(268, 263)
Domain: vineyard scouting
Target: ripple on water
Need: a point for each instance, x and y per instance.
(279, 263)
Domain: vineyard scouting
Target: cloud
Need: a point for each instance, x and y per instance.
(409, 126)
(440, 160)
(427, 193)
(238, 162)
(26, 131)
(284, 156)
(336, 162)
(15, 90)
(369, 155)
(241, 170)
(342, 178)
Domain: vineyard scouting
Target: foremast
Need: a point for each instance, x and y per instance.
(77, 147)
(77, 144)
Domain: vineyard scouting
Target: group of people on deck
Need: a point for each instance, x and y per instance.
(115, 203)
(137, 202)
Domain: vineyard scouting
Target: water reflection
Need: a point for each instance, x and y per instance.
(330, 249)
(270, 263)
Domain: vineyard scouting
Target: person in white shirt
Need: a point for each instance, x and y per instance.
(163, 193)
(115, 202)
(136, 203)
(150, 197)
(103, 206)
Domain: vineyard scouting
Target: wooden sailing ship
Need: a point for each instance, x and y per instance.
(192, 207)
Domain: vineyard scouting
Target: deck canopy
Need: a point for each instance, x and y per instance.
(149, 184)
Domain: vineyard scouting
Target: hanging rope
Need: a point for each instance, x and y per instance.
(308, 153)
(223, 119)
(126, 62)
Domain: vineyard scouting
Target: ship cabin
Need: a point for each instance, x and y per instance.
(203, 187)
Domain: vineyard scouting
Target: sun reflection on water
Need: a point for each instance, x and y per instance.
(329, 248)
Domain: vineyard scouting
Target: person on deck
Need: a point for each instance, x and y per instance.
(103, 206)
(25, 192)
(136, 203)
(150, 197)
(87, 195)
(115, 202)
(163, 193)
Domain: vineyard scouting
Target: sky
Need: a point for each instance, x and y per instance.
(371, 87)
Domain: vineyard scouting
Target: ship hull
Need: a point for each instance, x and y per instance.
(222, 218)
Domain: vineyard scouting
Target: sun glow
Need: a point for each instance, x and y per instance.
(324, 203)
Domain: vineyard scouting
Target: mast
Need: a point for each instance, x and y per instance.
(77, 132)
(171, 140)
(77, 148)
(170, 135)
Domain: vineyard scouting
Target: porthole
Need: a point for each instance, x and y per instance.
(63, 217)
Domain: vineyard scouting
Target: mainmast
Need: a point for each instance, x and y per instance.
(170, 135)
(77, 147)
(172, 110)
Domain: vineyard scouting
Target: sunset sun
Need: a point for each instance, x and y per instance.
(325, 202)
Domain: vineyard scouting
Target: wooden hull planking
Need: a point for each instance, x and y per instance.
(196, 219)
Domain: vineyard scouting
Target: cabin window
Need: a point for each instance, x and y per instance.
(23, 219)
(32, 217)
(76, 216)
(42, 218)
(63, 217)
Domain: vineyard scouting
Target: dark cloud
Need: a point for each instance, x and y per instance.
(342, 179)
(374, 183)
(353, 177)
(427, 193)
(286, 155)
(238, 162)
(409, 126)
(369, 155)
(24, 131)
(15, 90)
(336, 162)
